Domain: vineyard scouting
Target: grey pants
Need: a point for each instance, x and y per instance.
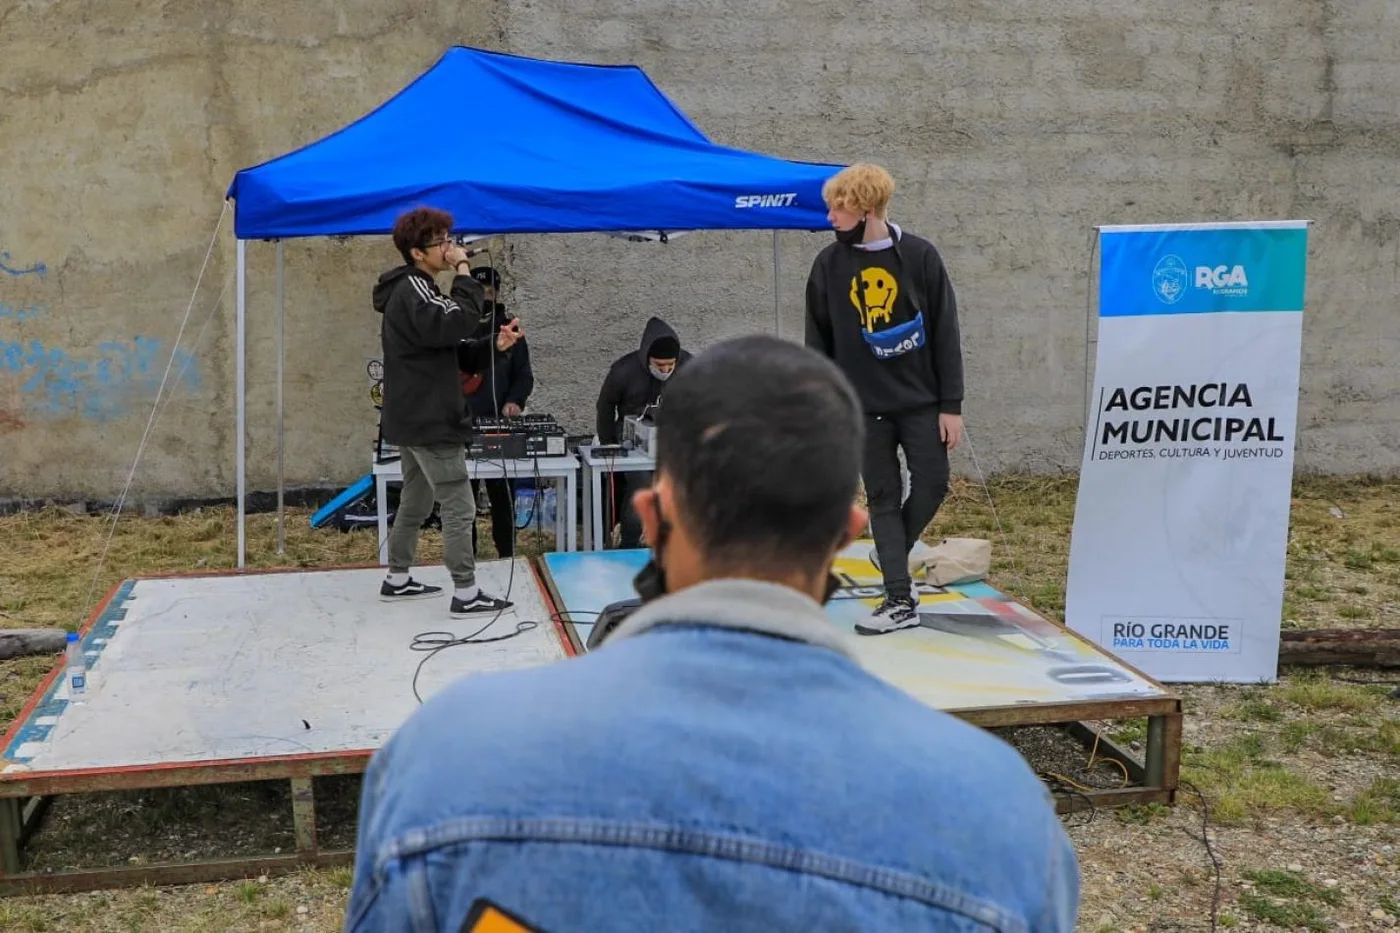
(435, 473)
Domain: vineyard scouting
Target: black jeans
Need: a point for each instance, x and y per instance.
(895, 525)
(501, 493)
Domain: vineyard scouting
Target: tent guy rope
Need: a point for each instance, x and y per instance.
(120, 503)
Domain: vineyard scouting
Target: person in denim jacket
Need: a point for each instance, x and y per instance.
(720, 761)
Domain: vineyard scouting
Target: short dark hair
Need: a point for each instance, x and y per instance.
(762, 440)
(416, 228)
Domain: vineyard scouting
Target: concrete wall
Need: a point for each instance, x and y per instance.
(1012, 127)
(122, 125)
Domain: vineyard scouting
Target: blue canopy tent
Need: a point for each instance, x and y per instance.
(568, 148)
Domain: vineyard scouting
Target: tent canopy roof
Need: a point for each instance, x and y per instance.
(520, 145)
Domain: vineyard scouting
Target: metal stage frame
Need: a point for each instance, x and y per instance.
(26, 794)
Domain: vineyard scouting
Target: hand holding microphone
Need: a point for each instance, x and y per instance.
(508, 334)
(458, 252)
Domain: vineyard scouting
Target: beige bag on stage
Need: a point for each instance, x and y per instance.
(958, 560)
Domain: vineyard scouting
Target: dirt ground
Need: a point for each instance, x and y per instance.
(1294, 784)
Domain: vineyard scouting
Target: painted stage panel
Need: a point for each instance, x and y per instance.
(244, 666)
(976, 648)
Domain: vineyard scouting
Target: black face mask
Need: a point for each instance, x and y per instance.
(650, 581)
(852, 236)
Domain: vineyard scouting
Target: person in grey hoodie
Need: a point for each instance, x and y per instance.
(428, 339)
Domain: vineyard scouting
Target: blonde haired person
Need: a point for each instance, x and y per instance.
(879, 303)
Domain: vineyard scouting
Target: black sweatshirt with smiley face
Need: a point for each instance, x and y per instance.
(889, 318)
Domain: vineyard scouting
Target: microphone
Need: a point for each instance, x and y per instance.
(462, 241)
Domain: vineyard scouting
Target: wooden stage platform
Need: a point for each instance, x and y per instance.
(295, 675)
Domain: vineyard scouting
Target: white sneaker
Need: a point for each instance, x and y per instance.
(892, 615)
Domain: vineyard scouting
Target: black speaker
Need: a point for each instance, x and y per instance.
(610, 618)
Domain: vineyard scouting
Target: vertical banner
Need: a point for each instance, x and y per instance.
(1181, 524)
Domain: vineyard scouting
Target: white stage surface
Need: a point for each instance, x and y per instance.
(188, 670)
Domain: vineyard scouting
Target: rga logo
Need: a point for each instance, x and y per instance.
(1223, 280)
(766, 200)
(1169, 279)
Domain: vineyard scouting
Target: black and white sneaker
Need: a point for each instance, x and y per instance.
(410, 590)
(478, 604)
(895, 613)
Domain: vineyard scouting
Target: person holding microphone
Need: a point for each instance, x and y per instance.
(428, 339)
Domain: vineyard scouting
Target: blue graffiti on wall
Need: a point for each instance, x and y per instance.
(15, 272)
(22, 312)
(120, 376)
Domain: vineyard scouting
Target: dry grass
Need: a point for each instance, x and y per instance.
(1342, 572)
(1302, 771)
(304, 901)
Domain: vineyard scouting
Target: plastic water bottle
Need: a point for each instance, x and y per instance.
(77, 667)
(524, 507)
(549, 512)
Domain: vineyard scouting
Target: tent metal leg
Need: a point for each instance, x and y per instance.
(239, 380)
(281, 348)
(777, 312)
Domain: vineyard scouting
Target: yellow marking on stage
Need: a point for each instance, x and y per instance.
(943, 645)
(858, 572)
(926, 598)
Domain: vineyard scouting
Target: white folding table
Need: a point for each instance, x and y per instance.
(562, 470)
(594, 467)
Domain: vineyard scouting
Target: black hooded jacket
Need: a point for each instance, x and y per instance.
(427, 337)
(514, 376)
(630, 387)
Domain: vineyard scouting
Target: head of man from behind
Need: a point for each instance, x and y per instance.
(757, 469)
